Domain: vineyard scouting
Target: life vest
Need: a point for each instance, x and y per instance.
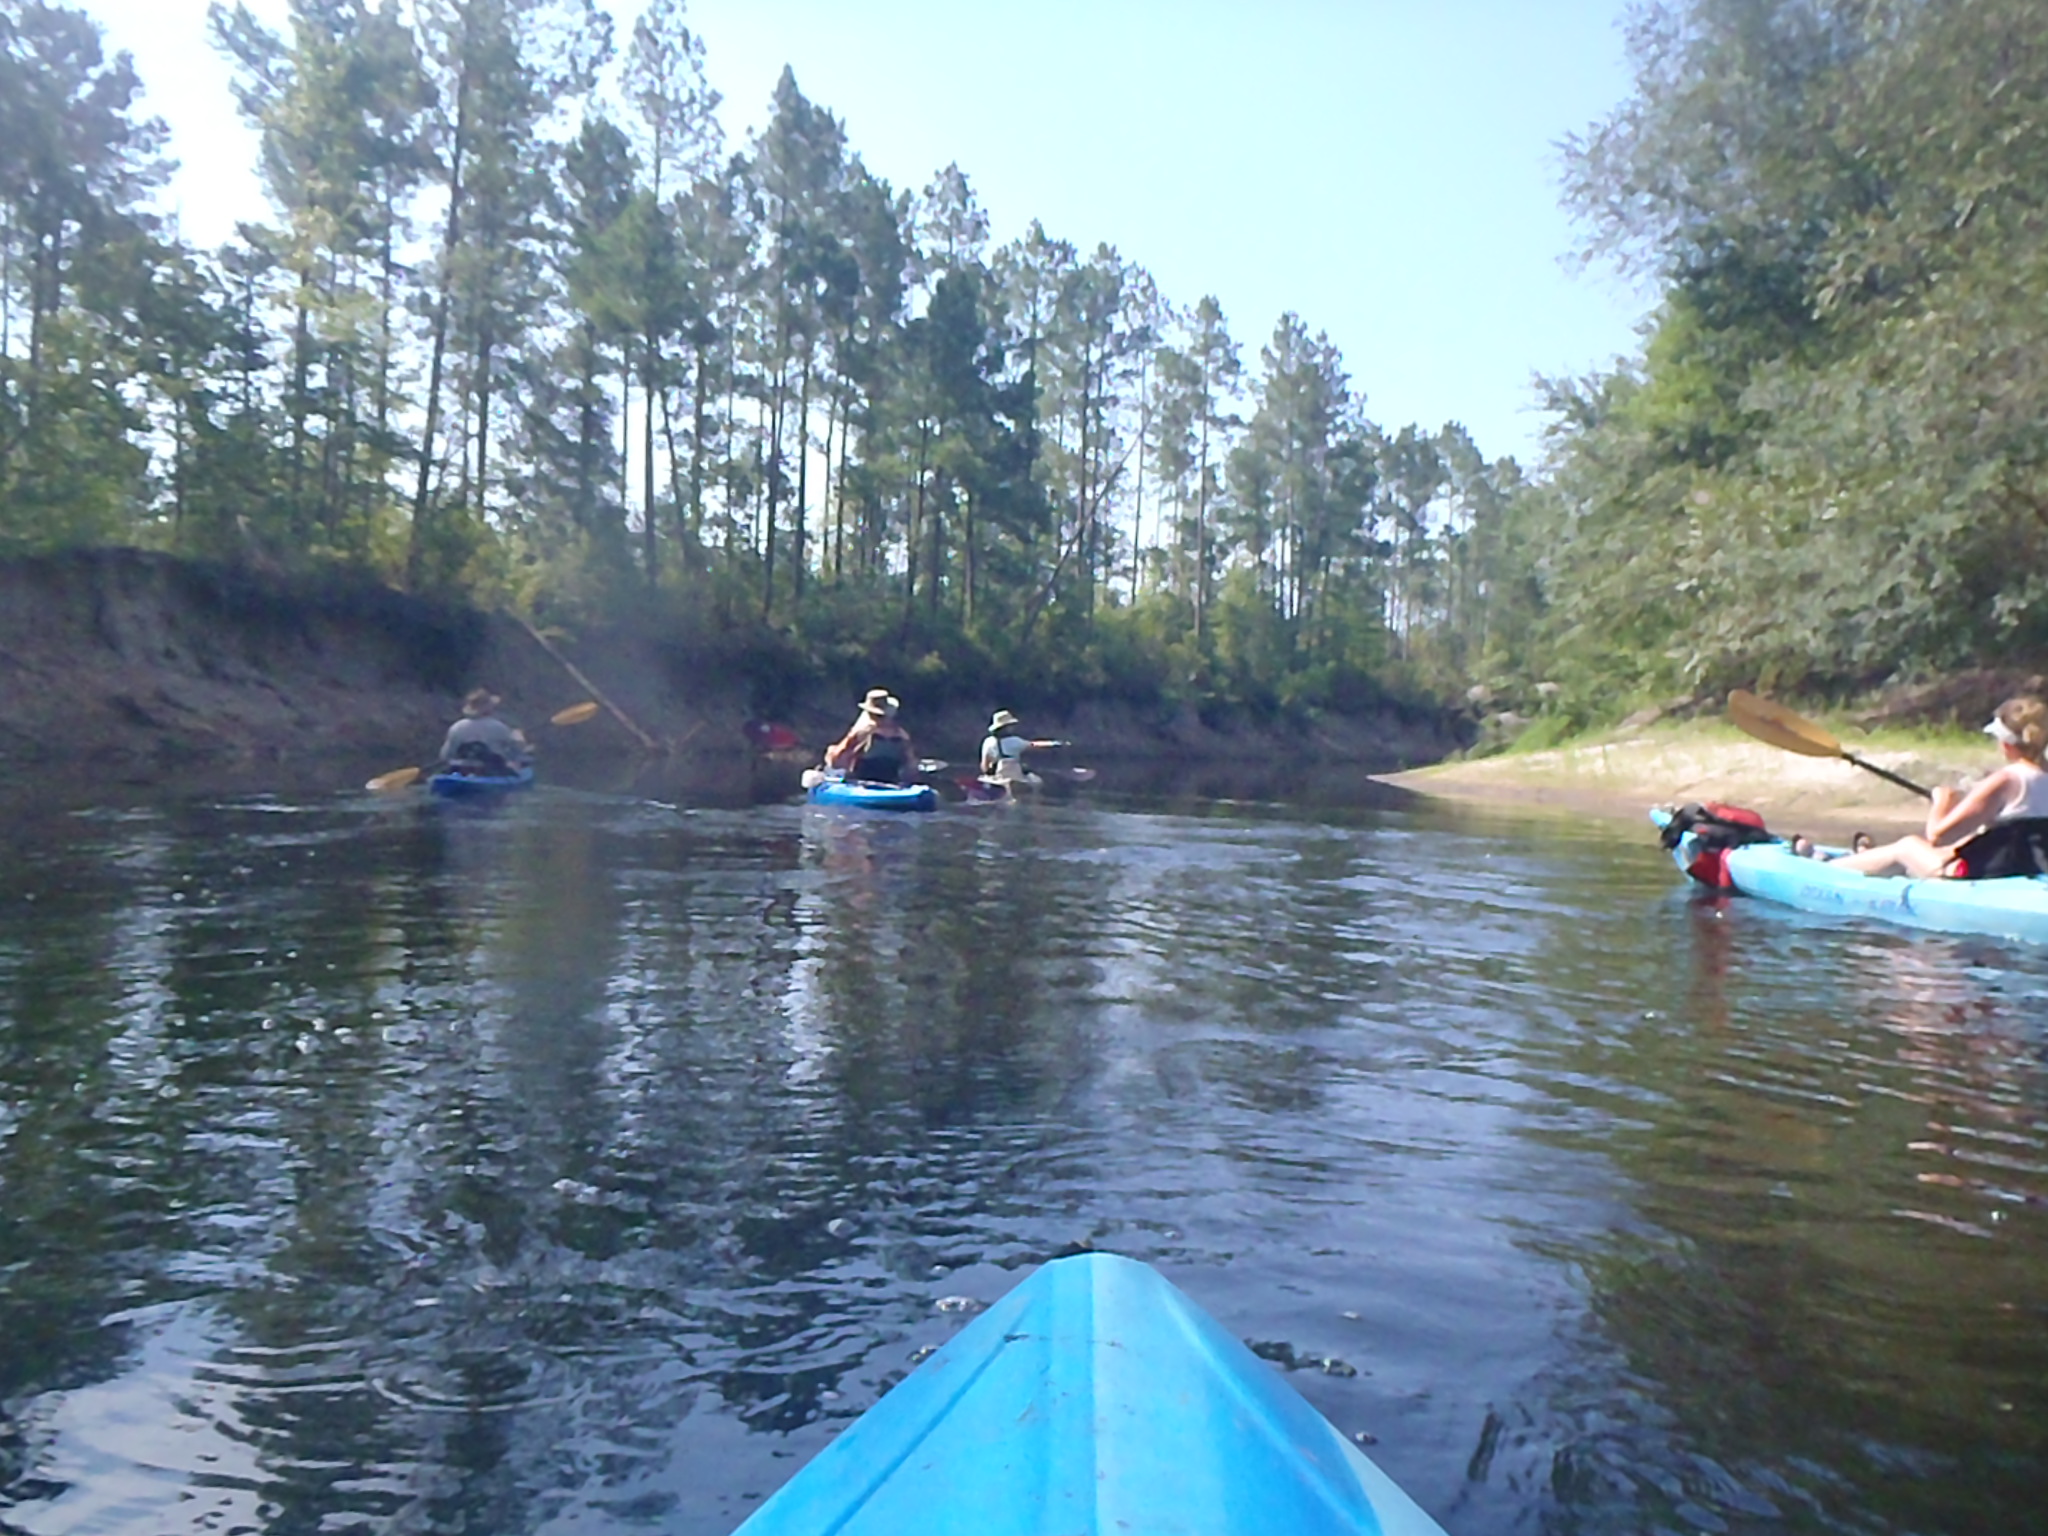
(883, 762)
(1709, 831)
(2015, 847)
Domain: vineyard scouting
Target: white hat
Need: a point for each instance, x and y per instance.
(1998, 730)
(1002, 718)
(880, 702)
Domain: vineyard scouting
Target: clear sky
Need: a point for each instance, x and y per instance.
(1385, 168)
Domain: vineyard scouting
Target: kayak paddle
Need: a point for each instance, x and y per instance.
(397, 778)
(402, 778)
(1780, 727)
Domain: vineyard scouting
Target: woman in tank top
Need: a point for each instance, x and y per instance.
(1999, 828)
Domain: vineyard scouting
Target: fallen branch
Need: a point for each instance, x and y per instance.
(591, 688)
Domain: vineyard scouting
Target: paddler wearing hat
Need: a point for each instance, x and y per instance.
(1003, 749)
(1999, 828)
(877, 749)
(482, 743)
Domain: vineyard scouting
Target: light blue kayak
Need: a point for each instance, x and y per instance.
(1093, 1398)
(2015, 907)
(875, 797)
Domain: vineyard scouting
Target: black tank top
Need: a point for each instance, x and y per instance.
(882, 763)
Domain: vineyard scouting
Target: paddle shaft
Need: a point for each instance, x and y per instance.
(1886, 774)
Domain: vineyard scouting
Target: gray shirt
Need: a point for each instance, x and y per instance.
(488, 731)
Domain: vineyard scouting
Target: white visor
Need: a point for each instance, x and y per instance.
(1998, 730)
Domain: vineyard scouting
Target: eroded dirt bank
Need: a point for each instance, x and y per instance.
(135, 667)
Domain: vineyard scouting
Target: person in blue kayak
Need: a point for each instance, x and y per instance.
(481, 743)
(1003, 749)
(877, 749)
(1999, 828)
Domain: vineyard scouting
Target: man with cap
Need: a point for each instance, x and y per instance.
(480, 742)
(1002, 752)
(877, 749)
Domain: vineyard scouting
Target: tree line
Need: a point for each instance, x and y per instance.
(1828, 466)
(517, 325)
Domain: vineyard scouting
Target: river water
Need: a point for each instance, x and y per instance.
(587, 1164)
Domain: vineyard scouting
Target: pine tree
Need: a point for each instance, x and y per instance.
(500, 70)
(75, 166)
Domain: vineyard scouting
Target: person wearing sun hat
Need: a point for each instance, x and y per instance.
(876, 750)
(480, 742)
(2000, 827)
(1003, 749)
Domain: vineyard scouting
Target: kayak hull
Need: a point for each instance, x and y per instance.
(875, 797)
(2015, 907)
(476, 786)
(1093, 1398)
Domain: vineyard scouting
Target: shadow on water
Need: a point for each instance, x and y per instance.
(585, 1161)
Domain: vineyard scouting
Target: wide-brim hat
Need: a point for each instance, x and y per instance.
(1002, 718)
(480, 701)
(880, 701)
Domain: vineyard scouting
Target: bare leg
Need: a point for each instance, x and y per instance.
(1910, 855)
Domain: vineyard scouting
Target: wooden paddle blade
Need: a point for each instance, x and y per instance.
(932, 765)
(397, 778)
(575, 714)
(1779, 726)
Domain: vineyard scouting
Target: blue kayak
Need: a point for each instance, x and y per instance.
(1093, 1398)
(875, 797)
(2015, 907)
(470, 786)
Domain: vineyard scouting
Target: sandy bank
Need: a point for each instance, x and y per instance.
(1620, 777)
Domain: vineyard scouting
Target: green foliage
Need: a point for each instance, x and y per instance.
(1830, 464)
(511, 333)
(1545, 732)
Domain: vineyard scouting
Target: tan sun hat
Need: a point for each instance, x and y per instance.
(1002, 718)
(480, 701)
(880, 701)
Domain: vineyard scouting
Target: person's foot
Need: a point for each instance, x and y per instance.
(1859, 842)
(1803, 846)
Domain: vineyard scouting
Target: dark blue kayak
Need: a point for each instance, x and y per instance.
(1093, 1398)
(469, 786)
(874, 797)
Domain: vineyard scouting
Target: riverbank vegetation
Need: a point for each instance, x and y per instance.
(1829, 465)
(518, 326)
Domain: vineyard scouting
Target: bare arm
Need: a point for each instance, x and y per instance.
(1952, 820)
(855, 744)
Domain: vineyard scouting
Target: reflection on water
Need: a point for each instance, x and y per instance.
(585, 1163)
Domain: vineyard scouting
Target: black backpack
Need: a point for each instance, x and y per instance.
(1716, 827)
